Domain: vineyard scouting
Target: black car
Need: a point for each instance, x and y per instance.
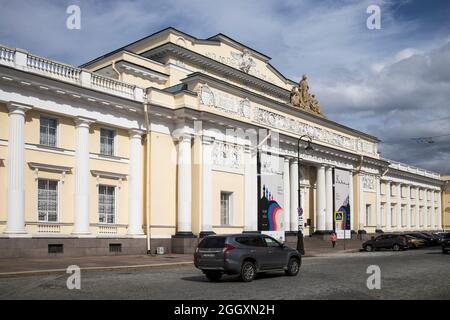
(445, 242)
(420, 235)
(244, 254)
(395, 242)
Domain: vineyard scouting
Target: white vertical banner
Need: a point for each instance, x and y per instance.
(341, 200)
(271, 214)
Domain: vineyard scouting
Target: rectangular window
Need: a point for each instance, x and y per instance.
(47, 200)
(225, 208)
(107, 142)
(403, 216)
(392, 217)
(106, 204)
(368, 214)
(47, 131)
(392, 190)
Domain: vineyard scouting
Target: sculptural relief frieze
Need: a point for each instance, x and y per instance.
(244, 108)
(227, 155)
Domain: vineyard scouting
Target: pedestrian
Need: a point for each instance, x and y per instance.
(333, 239)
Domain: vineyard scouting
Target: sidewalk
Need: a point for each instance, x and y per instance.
(48, 265)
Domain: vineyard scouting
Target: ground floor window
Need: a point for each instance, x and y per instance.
(392, 217)
(47, 200)
(225, 207)
(106, 204)
(368, 214)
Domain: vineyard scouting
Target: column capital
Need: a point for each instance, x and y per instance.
(183, 137)
(18, 108)
(83, 121)
(136, 133)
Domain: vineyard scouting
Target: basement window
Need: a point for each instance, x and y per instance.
(55, 248)
(115, 247)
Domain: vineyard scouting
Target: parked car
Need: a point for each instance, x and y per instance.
(244, 254)
(420, 235)
(446, 243)
(416, 242)
(395, 242)
(441, 236)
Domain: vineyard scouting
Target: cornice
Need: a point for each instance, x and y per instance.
(180, 52)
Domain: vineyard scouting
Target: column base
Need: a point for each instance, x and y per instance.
(184, 242)
(12, 234)
(206, 233)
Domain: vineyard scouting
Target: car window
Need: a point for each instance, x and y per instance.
(212, 242)
(255, 241)
(380, 238)
(446, 236)
(271, 242)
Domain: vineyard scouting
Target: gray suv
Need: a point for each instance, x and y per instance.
(245, 254)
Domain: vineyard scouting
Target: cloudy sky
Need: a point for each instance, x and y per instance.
(393, 83)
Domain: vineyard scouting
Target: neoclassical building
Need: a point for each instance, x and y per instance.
(173, 137)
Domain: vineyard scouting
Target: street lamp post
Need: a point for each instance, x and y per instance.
(308, 149)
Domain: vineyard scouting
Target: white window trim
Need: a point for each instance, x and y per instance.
(230, 207)
(53, 117)
(116, 215)
(58, 206)
(115, 144)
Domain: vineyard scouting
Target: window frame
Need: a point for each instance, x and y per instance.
(49, 117)
(115, 215)
(114, 141)
(230, 208)
(57, 220)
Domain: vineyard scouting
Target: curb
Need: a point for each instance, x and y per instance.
(110, 268)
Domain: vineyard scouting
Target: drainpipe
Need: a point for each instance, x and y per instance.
(147, 172)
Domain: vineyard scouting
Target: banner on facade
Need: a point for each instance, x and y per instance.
(271, 196)
(342, 204)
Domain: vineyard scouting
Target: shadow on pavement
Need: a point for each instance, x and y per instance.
(234, 278)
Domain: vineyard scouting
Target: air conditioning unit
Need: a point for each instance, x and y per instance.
(160, 250)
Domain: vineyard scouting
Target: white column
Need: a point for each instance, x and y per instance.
(425, 209)
(399, 206)
(320, 199)
(329, 198)
(287, 195)
(294, 195)
(206, 224)
(81, 213)
(433, 211)
(417, 224)
(388, 206)
(351, 202)
(16, 163)
(439, 217)
(184, 221)
(251, 195)
(378, 203)
(408, 207)
(361, 202)
(135, 184)
(254, 188)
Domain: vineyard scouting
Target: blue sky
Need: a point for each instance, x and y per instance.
(393, 83)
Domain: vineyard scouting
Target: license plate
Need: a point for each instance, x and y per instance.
(209, 255)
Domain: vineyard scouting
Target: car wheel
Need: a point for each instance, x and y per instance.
(369, 248)
(293, 267)
(213, 276)
(396, 247)
(248, 271)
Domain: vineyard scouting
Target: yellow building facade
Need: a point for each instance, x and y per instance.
(158, 143)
